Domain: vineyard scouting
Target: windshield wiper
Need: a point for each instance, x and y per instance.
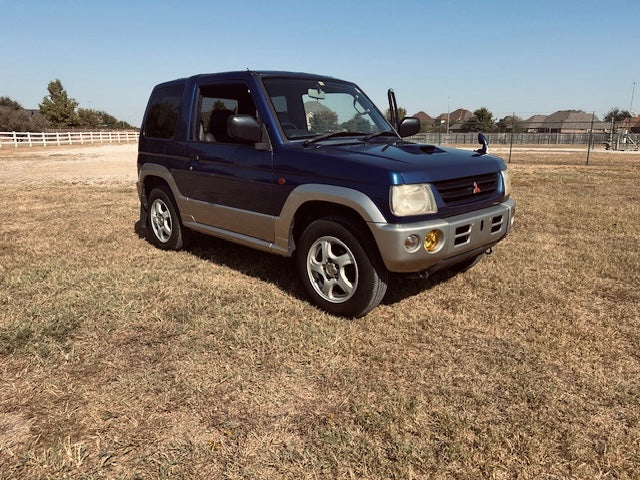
(381, 134)
(325, 136)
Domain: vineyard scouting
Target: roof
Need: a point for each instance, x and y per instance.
(569, 119)
(269, 73)
(425, 118)
(535, 121)
(566, 120)
(631, 122)
(245, 74)
(459, 115)
(313, 106)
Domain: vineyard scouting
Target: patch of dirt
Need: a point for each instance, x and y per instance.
(116, 163)
(14, 430)
(82, 164)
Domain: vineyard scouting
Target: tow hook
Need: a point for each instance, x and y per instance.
(488, 251)
(423, 275)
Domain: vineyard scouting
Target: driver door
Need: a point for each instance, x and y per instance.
(229, 182)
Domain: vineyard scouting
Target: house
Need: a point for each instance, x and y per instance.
(455, 119)
(425, 118)
(631, 124)
(566, 121)
(315, 108)
(534, 124)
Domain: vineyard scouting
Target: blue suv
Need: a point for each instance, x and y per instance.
(306, 165)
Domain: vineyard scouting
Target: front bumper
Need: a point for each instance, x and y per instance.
(462, 237)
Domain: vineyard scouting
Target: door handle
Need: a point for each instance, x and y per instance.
(193, 160)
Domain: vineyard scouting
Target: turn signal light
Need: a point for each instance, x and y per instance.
(412, 243)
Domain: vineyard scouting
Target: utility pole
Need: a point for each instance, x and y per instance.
(612, 135)
(449, 109)
(513, 127)
(633, 90)
(593, 117)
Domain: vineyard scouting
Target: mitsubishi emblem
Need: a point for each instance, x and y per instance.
(476, 188)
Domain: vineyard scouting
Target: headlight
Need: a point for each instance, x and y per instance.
(506, 182)
(412, 200)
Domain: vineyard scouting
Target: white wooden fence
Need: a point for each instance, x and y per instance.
(30, 139)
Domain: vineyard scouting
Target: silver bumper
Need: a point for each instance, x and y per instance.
(462, 235)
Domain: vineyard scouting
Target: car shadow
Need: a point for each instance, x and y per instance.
(402, 287)
(282, 271)
(275, 269)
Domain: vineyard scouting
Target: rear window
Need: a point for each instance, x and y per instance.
(162, 117)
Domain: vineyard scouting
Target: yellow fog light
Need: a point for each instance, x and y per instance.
(432, 240)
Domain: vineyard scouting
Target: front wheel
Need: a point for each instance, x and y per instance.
(337, 273)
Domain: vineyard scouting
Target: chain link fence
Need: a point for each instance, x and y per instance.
(567, 127)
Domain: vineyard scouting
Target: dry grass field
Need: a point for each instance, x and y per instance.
(118, 360)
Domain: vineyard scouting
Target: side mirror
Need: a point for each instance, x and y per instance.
(482, 140)
(409, 126)
(245, 128)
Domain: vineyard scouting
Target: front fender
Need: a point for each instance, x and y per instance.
(354, 199)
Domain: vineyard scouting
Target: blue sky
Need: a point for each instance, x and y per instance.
(527, 57)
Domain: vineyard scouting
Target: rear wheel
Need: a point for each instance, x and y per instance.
(166, 230)
(337, 273)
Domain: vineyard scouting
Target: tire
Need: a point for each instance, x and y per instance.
(336, 271)
(164, 228)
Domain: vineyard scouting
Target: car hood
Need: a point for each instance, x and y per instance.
(415, 163)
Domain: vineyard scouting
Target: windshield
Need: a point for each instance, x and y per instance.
(307, 108)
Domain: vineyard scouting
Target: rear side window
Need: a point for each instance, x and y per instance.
(162, 117)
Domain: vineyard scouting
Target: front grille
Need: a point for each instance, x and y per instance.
(468, 189)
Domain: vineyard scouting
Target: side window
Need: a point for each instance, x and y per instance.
(162, 117)
(217, 103)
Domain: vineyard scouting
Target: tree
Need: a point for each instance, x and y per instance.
(482, 121)
(14, 118)
(57, 107)
(324, 121)
(508, 123)
(10, 103)
(109, 121)
(402, 112)
(89, 118)
(616, 115)
(357, 124)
